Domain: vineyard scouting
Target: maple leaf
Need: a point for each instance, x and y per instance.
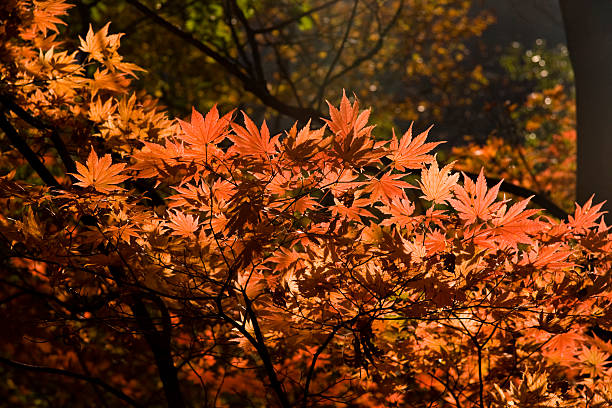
(438, 184)
(153, 158)
(563, 344)
(30, 225)
(415, 249)
(435, 241)
(252, 141)
(182, 225)
(339, 181)
(388, 187)
(409, 153)
(352, 141)
(586, 216)
(473, 201)
(552, 257)
(99, 44)
(353, 211)
(99, 112)
(218, 223)
(108, 80)
(305, 135)
(401, 213)
(347, 119)
(46, 15)
(301, 146)
(594, 361)
(223, 190)
(514, 226)
(204, 130)
(284, 258)
(100, 174)
(190, 195)
(304, 203)
(250, 283)
(102, 47)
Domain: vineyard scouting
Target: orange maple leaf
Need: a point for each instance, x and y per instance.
(203, 130)
(513, 225)
(551, 257)
(387, 188)
(401, 213)
(46, 15)
(437, 184)
(99, 112)
(563, 344)
(284, 258)
(409, 153)
(100, 174)
(107, 80)
(585, 217)
(99, 44)
(102, 47)
(473, 201)
(301, 146)
(348, 119)
(252, 141)
(594, 361)
(352, 212)
(182, 225)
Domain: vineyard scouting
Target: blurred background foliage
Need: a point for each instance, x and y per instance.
(440, 62)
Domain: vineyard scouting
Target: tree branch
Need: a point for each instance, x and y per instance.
(39, 124)
(349, 24)
(159, 342)
(290, 21)
(310, 374)
(374, 50)
(264, 354)
(23, 148)
(239, 47)
(259, 74)
(228, 64)
(249, 82)
(92, 380)
(60, 146)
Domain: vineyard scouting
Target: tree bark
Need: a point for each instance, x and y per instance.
(588, 27)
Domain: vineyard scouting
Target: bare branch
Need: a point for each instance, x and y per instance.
(20, 144)
(258, 89)
(374, 50)
(37, 123)
(325, 82)
(259, 74)
(293, 20)
(92, 380)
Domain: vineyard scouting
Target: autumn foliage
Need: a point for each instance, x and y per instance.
(210, 262)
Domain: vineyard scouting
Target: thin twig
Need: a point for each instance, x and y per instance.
(50, 370)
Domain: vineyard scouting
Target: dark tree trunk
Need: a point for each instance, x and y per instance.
(588, 27)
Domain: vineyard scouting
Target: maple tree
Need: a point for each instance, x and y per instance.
(212, 262)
